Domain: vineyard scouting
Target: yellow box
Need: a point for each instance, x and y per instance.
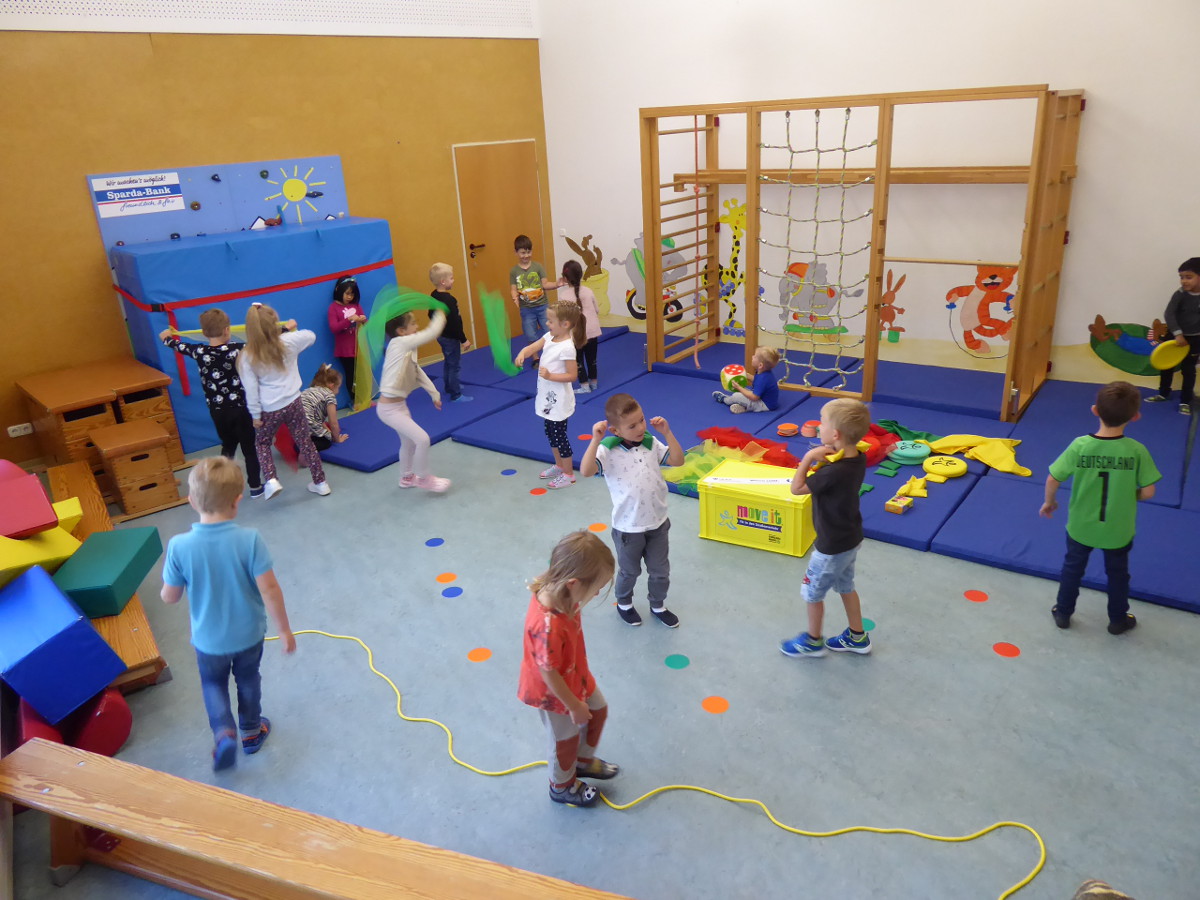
(752, 505)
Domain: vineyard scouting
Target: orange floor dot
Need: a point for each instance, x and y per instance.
(585, 437)
(597, 526)
(537, 492)
(1006, 649)
(976, 596)
(479, 654)
(446, 578)
(715, 705)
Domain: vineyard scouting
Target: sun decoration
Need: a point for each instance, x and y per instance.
(296, 189)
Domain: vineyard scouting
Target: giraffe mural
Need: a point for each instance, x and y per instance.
(731, 276)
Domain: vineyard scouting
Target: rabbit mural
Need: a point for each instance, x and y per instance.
(594, 276)
(888, 310)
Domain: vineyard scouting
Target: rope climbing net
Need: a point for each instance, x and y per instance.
(815, 245)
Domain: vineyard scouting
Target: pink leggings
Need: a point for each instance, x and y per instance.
(291, 417)
(414, 442)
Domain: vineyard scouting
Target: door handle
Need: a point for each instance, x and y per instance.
(474, 247)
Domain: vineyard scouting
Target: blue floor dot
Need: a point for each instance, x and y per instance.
(452, 592)
(434, 542)
(508, 471)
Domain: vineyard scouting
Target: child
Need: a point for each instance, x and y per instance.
(231, 585)
(834, 489)
(571, 290)
(452, 340)
(401, 375)
(223, 391)
(272, 379)
(528, 285)
(555, 677)
(763, 394)
(320, 407)
(629, 460)
(1110, 473)
(555, 401)
(1183, 321)
(345, 315)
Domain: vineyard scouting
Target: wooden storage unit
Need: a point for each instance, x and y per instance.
(136, 462)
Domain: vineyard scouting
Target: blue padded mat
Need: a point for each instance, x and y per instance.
(998, 525)
(1191, 482)
(966, 391)
(1061, 412)
(372, 445)
(941, 423)
(917, 527)
(714, 359)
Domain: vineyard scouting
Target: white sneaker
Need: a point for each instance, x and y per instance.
(271, 488)
(433, 483)
(552, 472)
(562, 481)
(583, 389)
(323, 488)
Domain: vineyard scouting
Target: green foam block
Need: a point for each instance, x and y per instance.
(886, 473)
(106, 570)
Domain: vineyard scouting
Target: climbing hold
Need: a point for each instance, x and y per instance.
(195, 205)
(215, 177)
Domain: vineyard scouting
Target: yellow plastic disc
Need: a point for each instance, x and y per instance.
(1168, 355)
(945, 466)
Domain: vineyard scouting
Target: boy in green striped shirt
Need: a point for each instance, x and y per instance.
(1109, 474)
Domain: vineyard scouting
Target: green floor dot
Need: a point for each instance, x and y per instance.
(677, 661)
(869, 624)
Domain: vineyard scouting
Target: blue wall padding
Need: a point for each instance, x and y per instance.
(998, 525)
(105, 572)
(372, 445)
(167, 272)
(966, 391)
(1061, 412)
(49, 652)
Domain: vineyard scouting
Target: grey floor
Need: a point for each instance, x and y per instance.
(1087, 738)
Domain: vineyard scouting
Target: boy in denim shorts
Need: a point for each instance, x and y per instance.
(834, 488)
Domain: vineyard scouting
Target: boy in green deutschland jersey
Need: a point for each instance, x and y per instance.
(1109, 474)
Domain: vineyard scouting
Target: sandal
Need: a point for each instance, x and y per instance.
(578, 794)
(597, 768)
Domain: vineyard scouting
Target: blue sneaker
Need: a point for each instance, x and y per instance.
(254, 742)
(224, 753)
(802, 645)
(845, 643)
(462, 398)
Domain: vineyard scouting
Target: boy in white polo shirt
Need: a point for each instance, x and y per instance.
(629, 459)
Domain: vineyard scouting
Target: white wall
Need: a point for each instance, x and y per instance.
(1133, 217)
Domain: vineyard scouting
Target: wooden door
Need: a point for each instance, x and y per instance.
(499, 197)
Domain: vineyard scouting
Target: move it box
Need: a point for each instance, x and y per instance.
(752, 505)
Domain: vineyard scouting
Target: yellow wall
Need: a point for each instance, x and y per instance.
(76, 104)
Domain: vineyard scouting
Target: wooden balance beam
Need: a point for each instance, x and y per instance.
(215, 843)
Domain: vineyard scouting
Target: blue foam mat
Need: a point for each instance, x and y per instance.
(1061, 412)
(1191, 483)
(965, 391)
(1016, 538)
(713, 359)
(372, 445)
(917, 527)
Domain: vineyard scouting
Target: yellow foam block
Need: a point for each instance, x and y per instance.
(48, 549)
(69, 512)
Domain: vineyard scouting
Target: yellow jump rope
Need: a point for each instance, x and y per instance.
(952, 839)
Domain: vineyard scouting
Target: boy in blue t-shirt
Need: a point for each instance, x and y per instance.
(231, 585)
(763, 393)
(1109, 474)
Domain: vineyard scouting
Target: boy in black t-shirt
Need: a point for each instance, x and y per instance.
(837, 470)
(452, 340)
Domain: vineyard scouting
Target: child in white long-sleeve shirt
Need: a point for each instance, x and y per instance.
(401, 376)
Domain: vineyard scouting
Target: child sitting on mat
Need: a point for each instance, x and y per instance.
(223, 390)
(555, 401)
(320, 407)
(763, 393)
(272, 379)
(230, 581)
(555, 678)
(401, 376)
(572, 290)
(1109, 474)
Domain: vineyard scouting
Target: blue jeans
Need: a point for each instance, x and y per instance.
(533, 321)
(451, 360)
(214, 683)
(1116, 567)
(828, 572)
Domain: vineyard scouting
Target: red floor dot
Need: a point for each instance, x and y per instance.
(976, 596)
(1003, 648)
(585, 437)
(479, 654)
(715, 705)
(537, 492)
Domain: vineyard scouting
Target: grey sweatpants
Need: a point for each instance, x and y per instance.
(652, 546)
(737, 398)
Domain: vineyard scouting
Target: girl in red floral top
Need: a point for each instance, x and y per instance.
(554, 671)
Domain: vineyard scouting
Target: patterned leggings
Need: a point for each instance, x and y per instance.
(556, 433)
(291, 417)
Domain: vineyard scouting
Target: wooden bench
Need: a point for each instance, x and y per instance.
(129, 632)
(213, 843)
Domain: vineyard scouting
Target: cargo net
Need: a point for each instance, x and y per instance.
(821, 281)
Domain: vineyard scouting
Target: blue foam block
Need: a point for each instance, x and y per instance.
(372, 445)
(168, 272)
(1061, 412)
(49, 652)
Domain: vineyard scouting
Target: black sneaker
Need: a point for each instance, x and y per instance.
(665, 616)
(1128, 624)
(1061, 620)
(1157, 398)
(579, 794)
(629, 615)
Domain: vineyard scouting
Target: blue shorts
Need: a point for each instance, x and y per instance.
(826, 573)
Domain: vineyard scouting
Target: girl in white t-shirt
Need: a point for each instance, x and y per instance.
(555, 400)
